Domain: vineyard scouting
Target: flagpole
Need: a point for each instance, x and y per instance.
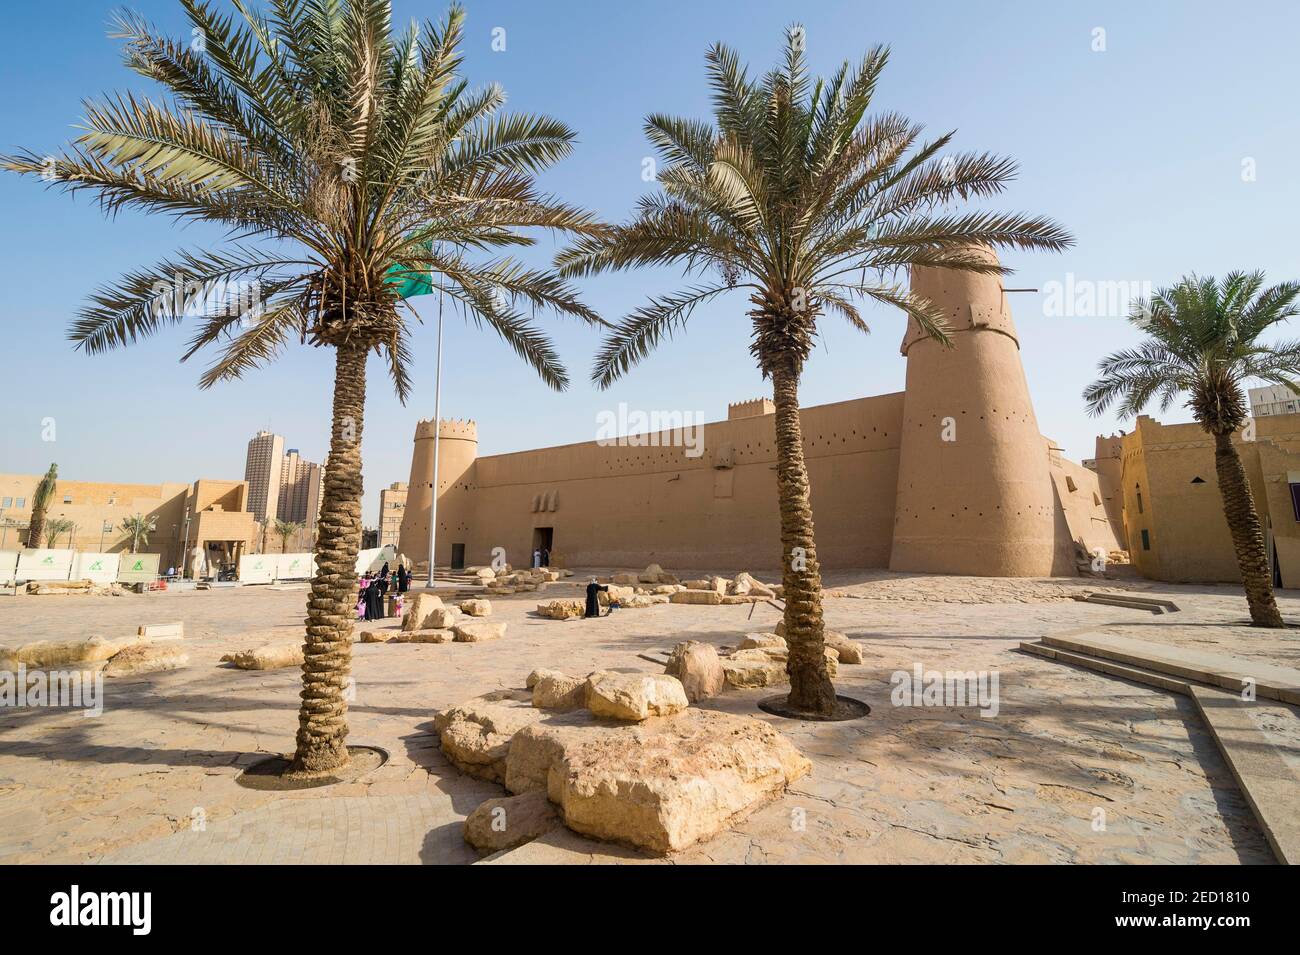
(437, 429)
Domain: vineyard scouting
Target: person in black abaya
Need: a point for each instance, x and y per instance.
(593, 598)
(374, 599)
(403, 579)
(382, 579)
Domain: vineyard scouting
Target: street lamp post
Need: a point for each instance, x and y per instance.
(104, 529)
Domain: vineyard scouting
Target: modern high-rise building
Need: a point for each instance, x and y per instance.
(1273, 399)
(301, 483)
(262, 469)
(282, 484)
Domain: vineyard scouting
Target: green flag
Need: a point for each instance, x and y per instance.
(409, 284)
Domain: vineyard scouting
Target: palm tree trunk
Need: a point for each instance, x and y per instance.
(36, 527)
(1247, 534)
(810, 685)
(327, 663)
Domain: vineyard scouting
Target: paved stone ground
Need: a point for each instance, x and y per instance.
(931, 784)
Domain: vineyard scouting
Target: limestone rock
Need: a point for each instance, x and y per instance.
(729, 600)
(754, 672)
(698, 585)
(850, 651)
(719, 585)
(634, 696)
(485, 573)
(626, 580)
(666, 785)
(746, 585)
(421, 605)
(271, 656)
(707, 597)
(667, 589)
(441, 618)
(147, 658)
(478, 631)
(476, 607)
(753, 641)
(432, 635)
(564, 608)
(475, 735)
(640, 601)
(375, 636)
(651, 574)
(61, 653)
(559, 691)
(510, 821)
(535, 677)
(698, 668)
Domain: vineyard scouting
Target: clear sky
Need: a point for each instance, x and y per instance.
(1173, 150)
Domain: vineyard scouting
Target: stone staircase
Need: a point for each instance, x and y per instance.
(1248, 707)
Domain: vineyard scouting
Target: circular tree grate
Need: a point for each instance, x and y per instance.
(846, 708)
(273, 773)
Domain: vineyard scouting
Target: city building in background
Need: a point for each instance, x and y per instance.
(283, 485)
(392, 505)
(205, 525)
(1273, 400)
(262, 469)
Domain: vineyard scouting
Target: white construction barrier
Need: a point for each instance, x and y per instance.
(101, 568)
(137, 568)
(45, 564)
(257, 568)
(8, 567)
(294, 566)
(374, 558)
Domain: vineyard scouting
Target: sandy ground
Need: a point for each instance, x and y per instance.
(1074, 767)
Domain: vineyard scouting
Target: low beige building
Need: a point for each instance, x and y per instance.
(1161, 480)
(949, 476)
(392, 506)
(210, 516)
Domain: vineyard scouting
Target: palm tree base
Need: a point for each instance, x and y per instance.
(844, 708)
(282, 774)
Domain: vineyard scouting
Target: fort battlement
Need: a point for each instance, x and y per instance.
(466, 430)
(752, 408)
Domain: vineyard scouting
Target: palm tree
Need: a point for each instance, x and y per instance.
(1203, 340)
(40, 502)
(139, 527)
(285, 530)
(794, 194)
(363, 161)
(54, 527)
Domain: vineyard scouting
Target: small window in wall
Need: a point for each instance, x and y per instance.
(9, 501)
(20, 503)
(67, 499)
(1139, 502)
(1069, 483)
(1295, 500)
(1198, 480)
(1146, 539)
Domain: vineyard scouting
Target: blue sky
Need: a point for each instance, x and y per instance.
(1138, 149)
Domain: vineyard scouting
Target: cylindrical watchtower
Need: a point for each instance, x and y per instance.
(974, 487)
(457, 451)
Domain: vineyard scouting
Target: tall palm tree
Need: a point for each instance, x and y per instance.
(1203, 340)
(285, 530)
(359, 159)
(56, 526)
(793, 193)
(139, 527)
(40, 503)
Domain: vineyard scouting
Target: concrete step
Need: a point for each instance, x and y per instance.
(1137, 674)
(1131, 602)
(1215, 669)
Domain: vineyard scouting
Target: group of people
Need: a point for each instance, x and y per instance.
(374, 589)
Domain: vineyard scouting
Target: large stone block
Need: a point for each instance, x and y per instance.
(147, 658)
(666, 785)
(634, 696)
(564, 608)
(475, 735)
(476, 607)
(476, 631)
(746, 673)
(272, 656)
(434, 635)
(510, 821)
(559, 691)
(420, 607)
(706, 597)
(697, 665)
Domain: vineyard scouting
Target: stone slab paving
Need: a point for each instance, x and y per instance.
(933, 784)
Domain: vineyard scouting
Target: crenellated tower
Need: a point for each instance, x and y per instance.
(974, 487)
(457, 452)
